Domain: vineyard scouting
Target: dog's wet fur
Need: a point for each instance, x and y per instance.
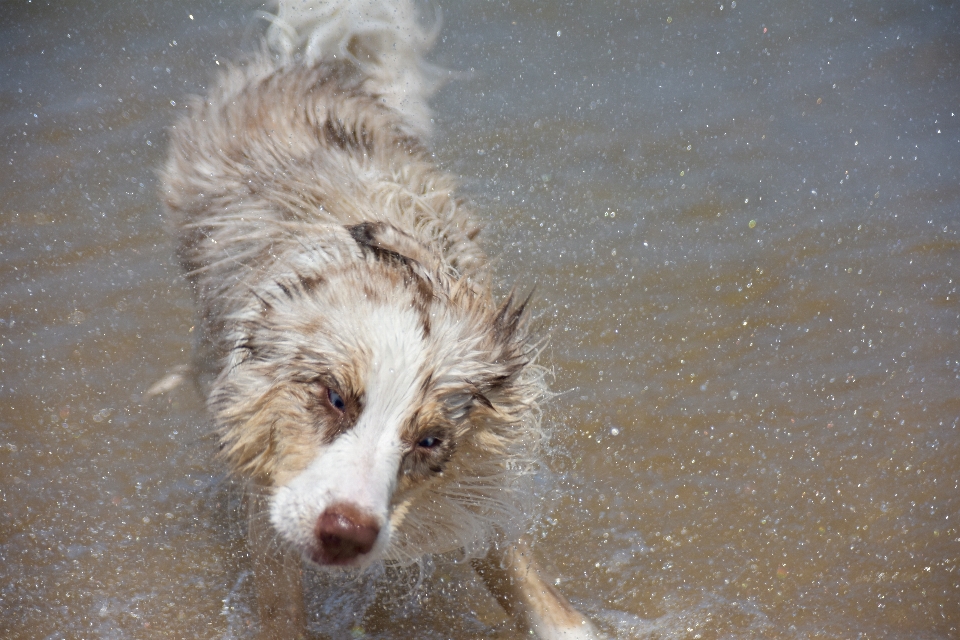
(377, 400)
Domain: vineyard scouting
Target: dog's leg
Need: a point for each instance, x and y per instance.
(515, 580)
(276, 575)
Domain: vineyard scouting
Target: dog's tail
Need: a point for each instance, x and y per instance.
(387, 39)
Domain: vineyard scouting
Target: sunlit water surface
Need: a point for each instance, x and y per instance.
(741, 221)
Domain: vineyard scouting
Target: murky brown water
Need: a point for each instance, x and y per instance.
(741, 219)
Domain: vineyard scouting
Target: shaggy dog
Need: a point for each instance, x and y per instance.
(377, 400)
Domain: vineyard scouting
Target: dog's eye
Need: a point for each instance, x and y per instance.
(336, 400)
(429, 442)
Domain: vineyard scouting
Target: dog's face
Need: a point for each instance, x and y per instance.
(383, 407)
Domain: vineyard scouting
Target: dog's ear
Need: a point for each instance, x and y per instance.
(513, 349)
(389, 243)
(511, 317)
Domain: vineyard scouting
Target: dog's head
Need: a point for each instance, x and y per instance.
(388, 408)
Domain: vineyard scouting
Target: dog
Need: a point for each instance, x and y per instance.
(379, 404)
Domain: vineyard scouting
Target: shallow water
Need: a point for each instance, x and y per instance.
(741, 220)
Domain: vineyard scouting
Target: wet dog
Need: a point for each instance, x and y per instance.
(377, 400)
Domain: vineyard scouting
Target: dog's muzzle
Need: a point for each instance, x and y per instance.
(342, 534)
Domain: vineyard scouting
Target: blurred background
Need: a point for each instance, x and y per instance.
(741, 221)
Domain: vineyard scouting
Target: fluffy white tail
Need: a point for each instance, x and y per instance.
(386, 38)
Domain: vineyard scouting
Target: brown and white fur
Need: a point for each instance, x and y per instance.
(377, 400)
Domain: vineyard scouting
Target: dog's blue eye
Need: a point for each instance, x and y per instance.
(336, 400)
(429, 442)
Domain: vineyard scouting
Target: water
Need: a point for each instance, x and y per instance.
(741, 220)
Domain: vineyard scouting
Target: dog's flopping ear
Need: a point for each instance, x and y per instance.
(511, 318)
(510, 331)
(390, 244)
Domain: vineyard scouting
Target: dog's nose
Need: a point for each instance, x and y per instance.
(343, 532)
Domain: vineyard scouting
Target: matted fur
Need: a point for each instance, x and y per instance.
(310, 215)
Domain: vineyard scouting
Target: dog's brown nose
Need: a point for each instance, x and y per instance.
(343, 532)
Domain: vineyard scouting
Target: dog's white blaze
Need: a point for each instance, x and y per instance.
(360, 466)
